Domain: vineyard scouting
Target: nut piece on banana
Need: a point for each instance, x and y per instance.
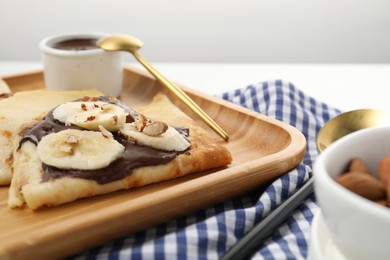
(155, 134)
(79, 149)
(91, 114)
(149, 127)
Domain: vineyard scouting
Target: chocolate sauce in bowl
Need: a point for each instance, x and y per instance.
(76, 44)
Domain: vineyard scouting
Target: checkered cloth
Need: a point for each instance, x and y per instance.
(209, 233)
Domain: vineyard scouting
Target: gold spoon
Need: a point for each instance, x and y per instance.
(349, 122)
(333, 130)
(120, 42)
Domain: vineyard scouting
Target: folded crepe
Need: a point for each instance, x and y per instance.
(20, 110)
(90, 149)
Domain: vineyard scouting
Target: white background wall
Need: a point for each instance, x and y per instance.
(210, 30)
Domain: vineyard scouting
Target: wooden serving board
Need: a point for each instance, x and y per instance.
(262, 148)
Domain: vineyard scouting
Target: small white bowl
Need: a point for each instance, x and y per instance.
(360, 228)
(81, 69)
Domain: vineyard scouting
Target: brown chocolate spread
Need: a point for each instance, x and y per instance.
(76, 44)
(135, 155)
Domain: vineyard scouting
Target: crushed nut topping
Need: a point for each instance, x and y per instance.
(87, 98)
(70, 145)
(115, 119)
(105, 132)
(155, 128)
(112, 100)
(106, 107)
(140, 122)
(72, 140)
(83, 107)
(90, 118)
(150, 127)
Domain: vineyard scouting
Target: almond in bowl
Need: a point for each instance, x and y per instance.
(359, 179)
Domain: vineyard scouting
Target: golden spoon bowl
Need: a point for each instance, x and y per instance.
(120, 42)
(349, 122)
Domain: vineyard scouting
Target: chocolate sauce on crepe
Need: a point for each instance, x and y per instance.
(135, 155)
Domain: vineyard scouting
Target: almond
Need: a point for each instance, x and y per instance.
(91, 118)
(384, 173)
(384, 169)
(364, 185)
(150, 127)
(140, 122)
(155, 128)
(357, 165)
(83, 107)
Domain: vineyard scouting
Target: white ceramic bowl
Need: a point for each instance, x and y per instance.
(81, 69)
(360, 228)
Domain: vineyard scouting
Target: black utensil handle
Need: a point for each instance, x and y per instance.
(256, 237)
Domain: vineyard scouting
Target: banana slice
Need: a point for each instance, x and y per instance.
(77, 149)
(4, 88)
(170, 140)
(89, 115)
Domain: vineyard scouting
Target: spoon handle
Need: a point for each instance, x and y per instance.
(182, 96)
(264, 229)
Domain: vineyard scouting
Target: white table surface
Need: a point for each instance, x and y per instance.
(345, 86)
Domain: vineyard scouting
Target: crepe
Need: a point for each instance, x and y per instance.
(23, 109)
(31, 186)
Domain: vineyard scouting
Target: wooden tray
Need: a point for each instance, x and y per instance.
(262, 148)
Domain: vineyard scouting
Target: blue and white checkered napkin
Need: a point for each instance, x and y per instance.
(209, 233)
